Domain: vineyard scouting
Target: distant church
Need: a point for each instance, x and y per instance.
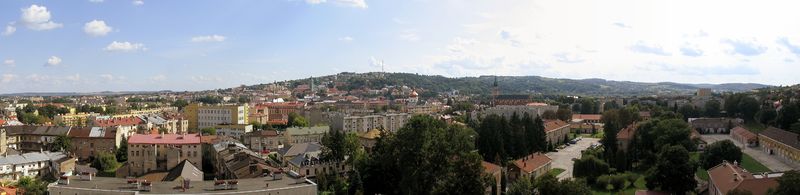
(508, 100)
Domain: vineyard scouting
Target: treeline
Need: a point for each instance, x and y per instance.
(500, 140)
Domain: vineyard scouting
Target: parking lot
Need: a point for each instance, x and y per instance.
(563, 158)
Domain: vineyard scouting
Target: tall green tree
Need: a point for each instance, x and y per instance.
(720, 151)
(712, 108)
(564, 114)
(490, 140)
(122, 150)
(436, 158)
(61, 142)
(589, 167)
(674, 171)
(787, 184)
(295, 120)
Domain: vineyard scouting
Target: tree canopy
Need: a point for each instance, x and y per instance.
(434, 158)
(718, 151)
(673, 172)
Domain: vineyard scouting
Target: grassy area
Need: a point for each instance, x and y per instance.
(755, 127)
(640, 184)
(596, 135)
(701, 173)
(752, 165)
(555, 171)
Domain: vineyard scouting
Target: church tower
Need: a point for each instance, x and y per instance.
(495, 91)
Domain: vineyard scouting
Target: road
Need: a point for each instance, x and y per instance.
(770, 161)
(563, 158)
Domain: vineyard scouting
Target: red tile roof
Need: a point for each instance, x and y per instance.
(727, 177)
(628, 132)
(552, 125)
(164, 139)
(126, 121)
(532, 162)
(489, 167)
(587, 116)
(742, 132)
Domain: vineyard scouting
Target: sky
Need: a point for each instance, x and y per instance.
(131, 45)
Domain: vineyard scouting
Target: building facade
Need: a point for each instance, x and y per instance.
(781, 143)
(296, 135)
(556, 131)
(162, 152)
(530, 166)
(233, 130)
(203, 116)
(390, 122)
(89, 141)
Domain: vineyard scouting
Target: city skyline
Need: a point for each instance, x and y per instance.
(97, 45)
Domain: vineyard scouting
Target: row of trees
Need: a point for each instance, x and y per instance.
(500, 139)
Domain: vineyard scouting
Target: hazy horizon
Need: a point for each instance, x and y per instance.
(145, 45)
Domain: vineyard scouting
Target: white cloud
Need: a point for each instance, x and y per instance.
(9, 62)
(97, 28)
(96, 1)
(10, 29)
(73, 78)
(409, 35)
(53, 61)
(201, 79)
(38, 18)
(125, 47)
(7, 78)
(138, 2)
(346, 38)
(107, 77)
(159, 77)
(209, 38)
(347, 3)
(37, 78)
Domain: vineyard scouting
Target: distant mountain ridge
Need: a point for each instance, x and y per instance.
(483, 85)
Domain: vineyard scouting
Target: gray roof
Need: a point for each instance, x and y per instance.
(152, 118)
(307, 130)
(31, 157)
(37, 130)
(186, 170)
(783, 136)
(300, 148)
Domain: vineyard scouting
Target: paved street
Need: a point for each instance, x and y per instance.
(770, 161)
(563, 158)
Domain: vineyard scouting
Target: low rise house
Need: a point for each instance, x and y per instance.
(626, 136)
(530, 166)
(494, 171)
(727, 177)
(264, 141)
(122, 186)
(33, 164)
(368, 139)
(781, 143)
(744, 136)
(89, 141)
(304, 160)
(233, 130)
(714, 125)
(126, 126)
(29, 138)
(296, 135)
(232, 160)
(557, 131)
(588, 118)
(160, 152)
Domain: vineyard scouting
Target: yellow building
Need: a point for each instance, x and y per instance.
(73, 120)
(780, 143)
(202, 116)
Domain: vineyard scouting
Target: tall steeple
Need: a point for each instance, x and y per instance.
(495, 91)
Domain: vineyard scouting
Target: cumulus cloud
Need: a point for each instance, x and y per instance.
(38, 18)
(53, 61)
(346, 38)
(138, 2)
(209, 38)
(691, 50)
(107, 77)
(10, 29)
(506, 35)
(460, 44)
(7, 78)
(9, 62)
(159, 77)
(97, 28)
(37, 78)
(409, 35)
(96, 1)
(201, 79)
(643, 47)
(347, 3)
(125, 47)
(795, 49)
(73, 78)
(745, 47)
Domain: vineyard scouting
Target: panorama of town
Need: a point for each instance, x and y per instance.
(324, 136)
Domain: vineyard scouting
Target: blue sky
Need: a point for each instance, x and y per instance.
(116, 45)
